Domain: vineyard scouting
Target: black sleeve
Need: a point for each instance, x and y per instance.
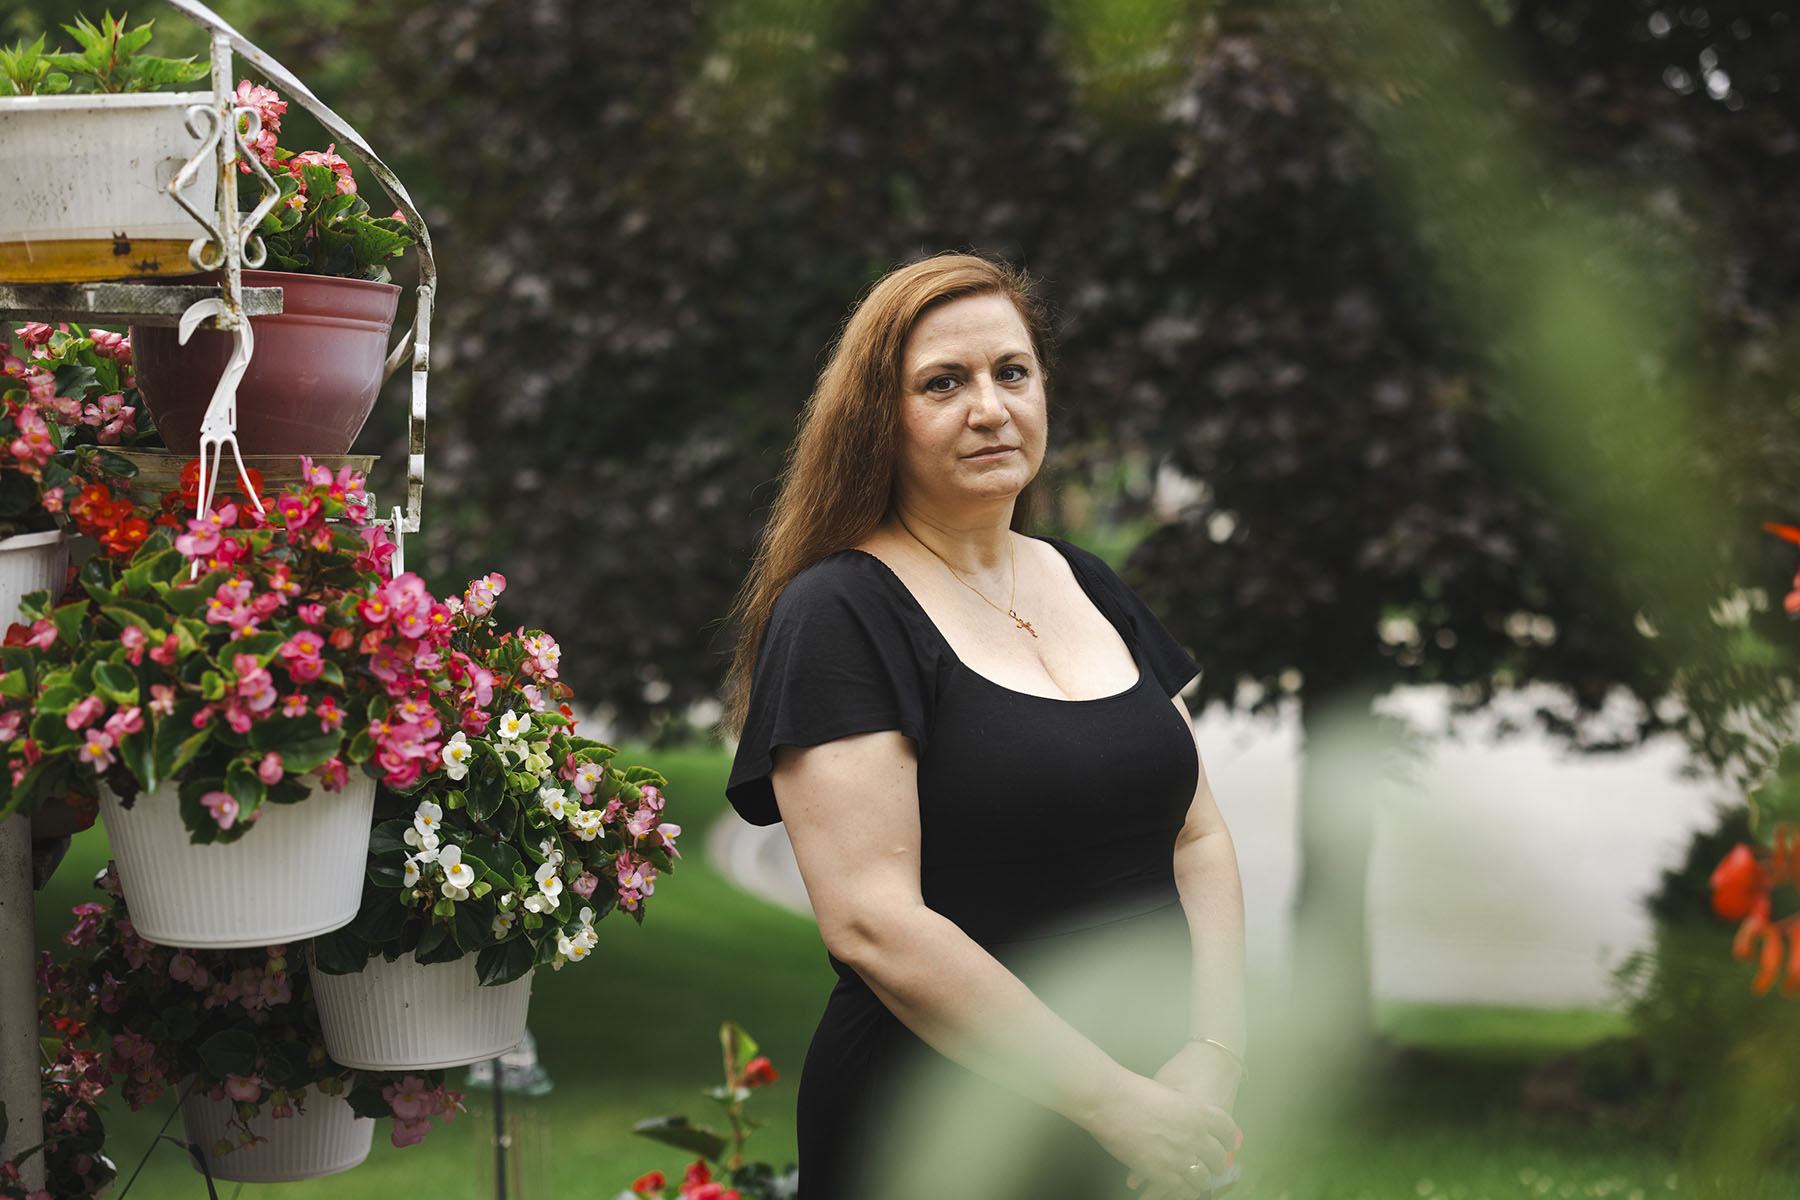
(1169, 661)
(837, 658)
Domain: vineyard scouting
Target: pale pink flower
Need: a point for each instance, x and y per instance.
(98, 751)
(222, 806)
(269, 770)
(125, 721)
(85, 713)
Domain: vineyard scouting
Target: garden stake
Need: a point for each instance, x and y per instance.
(499, 1123)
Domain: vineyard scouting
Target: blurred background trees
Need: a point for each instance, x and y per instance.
(1401, 343)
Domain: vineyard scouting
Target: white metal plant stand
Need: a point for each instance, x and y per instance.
(227, 243)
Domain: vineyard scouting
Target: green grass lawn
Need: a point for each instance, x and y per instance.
(632, 1032)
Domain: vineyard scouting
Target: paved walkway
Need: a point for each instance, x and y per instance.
(1508, 873)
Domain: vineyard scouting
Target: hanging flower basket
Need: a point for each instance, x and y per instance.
(83, 186)
(299, 876)
(404, 1015)
(322, 1138)
(311, 381)
(31, 562)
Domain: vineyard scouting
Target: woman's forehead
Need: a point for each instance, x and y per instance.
(985, 323)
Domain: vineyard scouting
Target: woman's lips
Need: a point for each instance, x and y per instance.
(990, 452)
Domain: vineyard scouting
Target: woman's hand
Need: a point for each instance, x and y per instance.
(1161, 1133)
(1203, 1072)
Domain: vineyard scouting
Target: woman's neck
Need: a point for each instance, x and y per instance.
(973, 542)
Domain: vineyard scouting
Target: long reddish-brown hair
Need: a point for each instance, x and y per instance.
(838, 485)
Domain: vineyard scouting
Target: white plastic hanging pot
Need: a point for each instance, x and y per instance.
(403, 1015)
(297, 874)
(31, 562)
(326, 1138)
(83, 186)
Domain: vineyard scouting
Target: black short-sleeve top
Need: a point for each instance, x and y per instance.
(1036, 814)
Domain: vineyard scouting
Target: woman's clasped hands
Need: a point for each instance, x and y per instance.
(1172, 1140)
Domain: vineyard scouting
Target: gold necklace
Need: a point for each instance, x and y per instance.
(1012, 558)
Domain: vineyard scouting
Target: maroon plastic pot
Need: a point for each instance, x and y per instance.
(312, 377)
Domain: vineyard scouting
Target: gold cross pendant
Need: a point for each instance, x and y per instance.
(1023, 623)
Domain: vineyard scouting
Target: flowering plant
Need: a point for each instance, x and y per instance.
(64, 398)
(285, 662)
(320, 226)
(526, 837)
(73, 1135)
(235, 1025)
(1751, 883)
(745, 1072)
(111, 60)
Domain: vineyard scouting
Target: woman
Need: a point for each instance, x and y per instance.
(977, 743)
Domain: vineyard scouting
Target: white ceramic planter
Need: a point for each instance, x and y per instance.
(399, 1016)
(297, 874)
(83, 186)
(327, 1138)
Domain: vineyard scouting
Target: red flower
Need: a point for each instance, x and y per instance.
(759, 1072)
(655, 1181)
(697, 1174)
(1737, 883)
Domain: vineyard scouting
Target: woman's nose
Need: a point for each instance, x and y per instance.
(986, 405)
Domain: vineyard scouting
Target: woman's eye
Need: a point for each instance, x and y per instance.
(1011, 373)
(941, 383)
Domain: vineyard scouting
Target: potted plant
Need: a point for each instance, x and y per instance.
(89, 142)
(218, 680)
(502, 861)
(236, 1035)
(318, 364)
(736, 1178)
(67, 409)
(72, 1086)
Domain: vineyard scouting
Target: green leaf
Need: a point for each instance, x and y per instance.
(435, 945)
(484, 795)
(642, 775)
(245, 787)
(339, 952)
(389, 837)
(15, 684)
(473, 927)
(138, 752)
(302, 745)
(67, 620)
(679, 1132)
(176, 740)
(117, 464)
(116, 682)
(148, 617)
(738, 1045)
(230, 1051)
(504, 963)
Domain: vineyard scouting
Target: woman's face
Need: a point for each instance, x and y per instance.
(972, 420)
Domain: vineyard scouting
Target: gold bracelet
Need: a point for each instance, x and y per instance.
(1243, 1071)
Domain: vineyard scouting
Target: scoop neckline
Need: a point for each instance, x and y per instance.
(1081, 581)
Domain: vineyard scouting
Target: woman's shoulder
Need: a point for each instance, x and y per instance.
(846, 575)
(1089, 568)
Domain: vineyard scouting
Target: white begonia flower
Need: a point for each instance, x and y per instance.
(452, 892)
(586, 824)
(503, 923)
(551, 851)
(411, 877)
(538, 904)
(506, 901)
(456, 755)
(549, 881)
(423, 841)
(457, 873)
(555, 802)
(513, 726)
(426, 818)
(587, 939)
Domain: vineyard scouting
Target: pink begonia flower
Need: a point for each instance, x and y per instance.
(534, 697)
(545, 655)
(244, 1089)
(269, 770)
(87, 929)
(255, 684)
(409, 1098)
(274, 989)
(585, 883)
(312, 614)
(475, 722)
(299, 512)
(334, 775)
(330, 715)
(184, 967)
(125, 721)
(409, 1133)
(97, 750)
(85, 713)
(42, 635)
(301, 654)
(162, 699)
(135, 643)
(328, 157)
(588, 777)
(203, 535)
(378, 558)
(222, 806)
(483, 593)
(237, 715)
(165, 653)
(653, 797)
(293, 706)
(11, 723)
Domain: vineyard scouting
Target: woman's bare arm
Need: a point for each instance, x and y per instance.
(851, 810)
